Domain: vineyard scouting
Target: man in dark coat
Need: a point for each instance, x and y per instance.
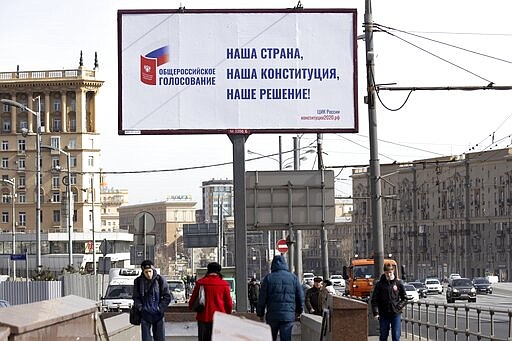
(388, 299)
(316, 298)
(253, 292)
(151, 297)
(282, 297)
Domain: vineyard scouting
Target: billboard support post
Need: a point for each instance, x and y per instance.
(238, 141)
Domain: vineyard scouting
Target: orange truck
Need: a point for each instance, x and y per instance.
(360, 276)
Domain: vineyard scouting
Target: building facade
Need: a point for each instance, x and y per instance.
(443, 215)
(170, 215)
(65, 101)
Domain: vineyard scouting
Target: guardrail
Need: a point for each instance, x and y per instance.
(442, 321)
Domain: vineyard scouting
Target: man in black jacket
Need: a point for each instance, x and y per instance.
(388, 299)
(151, 297)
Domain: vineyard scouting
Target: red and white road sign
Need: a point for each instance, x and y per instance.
(281, 246)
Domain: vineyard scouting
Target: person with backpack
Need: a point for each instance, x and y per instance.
(151, 297)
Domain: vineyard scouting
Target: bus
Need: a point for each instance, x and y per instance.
(361, 278)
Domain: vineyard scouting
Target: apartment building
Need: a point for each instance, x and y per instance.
(65, 101)
(442, 215)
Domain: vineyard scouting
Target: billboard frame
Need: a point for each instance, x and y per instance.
(238, 130)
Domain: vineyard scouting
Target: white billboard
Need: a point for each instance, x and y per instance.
(237, 71)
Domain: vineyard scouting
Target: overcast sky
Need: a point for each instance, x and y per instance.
(469, 44)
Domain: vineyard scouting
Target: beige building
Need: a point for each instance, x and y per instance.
(111, 199)
(170, 215)
(443, 215)
(66, 103)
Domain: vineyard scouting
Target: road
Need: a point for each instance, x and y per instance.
(501, 299)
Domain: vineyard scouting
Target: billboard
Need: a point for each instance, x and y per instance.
(237, 71)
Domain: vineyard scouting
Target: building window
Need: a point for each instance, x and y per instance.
(72, 143)
(73, 179)
(55, 181)
(5, 162)
(5, 198)
(6, 126)
(5, 145)
(22, 218)
(72, 105)
(56, 104)
(55, 162)
(90, 161)
(55, 142)
(22, 197)
(21, 181)
(56, 216)
(57, 126)
(22, 145)
(73, 161)
(72, 124)
(5, 217)
(23, 124)
(21, 163)
(56, 197)
(7, 108)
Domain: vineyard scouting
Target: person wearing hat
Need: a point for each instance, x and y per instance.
(388, 299)
(217, 298)
(151, 297)
(316, 297)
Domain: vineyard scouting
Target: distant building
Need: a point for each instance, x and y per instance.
(111, 199)
(442, 215)
(170, 215)
(66, 99)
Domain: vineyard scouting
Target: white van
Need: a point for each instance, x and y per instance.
(120, 289)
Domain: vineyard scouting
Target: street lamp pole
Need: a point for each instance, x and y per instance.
(38, 171)
(12, 182)
(69, 200)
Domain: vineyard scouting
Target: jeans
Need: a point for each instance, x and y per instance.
(157, 327)
(283, 327)
(390, 321)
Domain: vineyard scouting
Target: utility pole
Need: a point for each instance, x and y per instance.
(298, 233)
(375, 180)
(323, 231)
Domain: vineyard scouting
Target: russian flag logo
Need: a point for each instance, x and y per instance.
(150, 62)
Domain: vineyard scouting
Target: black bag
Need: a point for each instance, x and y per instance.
(135, 316)
(200, 301)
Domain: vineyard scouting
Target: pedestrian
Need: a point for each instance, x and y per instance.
(316, 297)
(254, 293)
(217, 298)
(328, 286)
(151, 297)
(388, 299)
(282, 298)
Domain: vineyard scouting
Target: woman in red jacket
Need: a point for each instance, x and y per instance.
(217, 298)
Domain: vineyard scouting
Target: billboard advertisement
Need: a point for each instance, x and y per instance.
(237, 71)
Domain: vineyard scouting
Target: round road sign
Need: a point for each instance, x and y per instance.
(281, 246)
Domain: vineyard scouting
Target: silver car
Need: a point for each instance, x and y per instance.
(177, 289)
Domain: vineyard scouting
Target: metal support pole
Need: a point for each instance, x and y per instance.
(298, 233)
(93, 228)
(70, 211)
(375, 180)
(238, 142)
(323, 231)
(38, 187)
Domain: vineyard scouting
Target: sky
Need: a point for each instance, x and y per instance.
(421, 43)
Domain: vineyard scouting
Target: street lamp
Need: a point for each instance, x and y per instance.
(12, 182)
(69, 201)
(38, 169)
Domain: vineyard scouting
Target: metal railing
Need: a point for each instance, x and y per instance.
(441, 321)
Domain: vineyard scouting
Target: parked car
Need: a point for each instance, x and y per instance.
(420, 288)
(433, 285)
(412, 294)
(337, 280)
(461, 289)
(482, 285)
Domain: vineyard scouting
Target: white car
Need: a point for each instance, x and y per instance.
(453, 276)
(411, 292)
(433, 285)
(177, 289)
(337, 280)
(307, 277)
